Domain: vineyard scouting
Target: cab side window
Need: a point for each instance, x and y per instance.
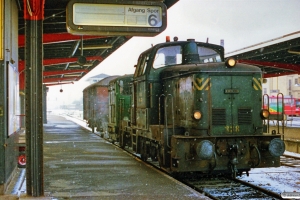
(142, 64)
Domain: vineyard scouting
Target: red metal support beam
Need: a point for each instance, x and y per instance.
(53, 73)
(271, 75)
(58, 37)
(50, 80)
(59, 83)
(283, 66)
(57, 61)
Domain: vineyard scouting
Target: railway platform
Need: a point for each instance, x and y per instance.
(81, 165)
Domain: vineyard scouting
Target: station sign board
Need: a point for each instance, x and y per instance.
(114, 17)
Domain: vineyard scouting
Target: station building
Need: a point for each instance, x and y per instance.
(287, 85)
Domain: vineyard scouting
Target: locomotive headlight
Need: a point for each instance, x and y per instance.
(197, 115)
(264, 114)
(230, 62)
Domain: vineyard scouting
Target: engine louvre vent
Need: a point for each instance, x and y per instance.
(244, 116)
(218, 116)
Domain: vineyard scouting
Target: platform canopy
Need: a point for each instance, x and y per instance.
(276, 57)
(66, 60)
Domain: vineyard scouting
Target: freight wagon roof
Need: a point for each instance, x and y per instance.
(124, 77)
(103, 82)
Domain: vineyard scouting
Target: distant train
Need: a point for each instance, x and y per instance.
(282, 105)
(189, 109)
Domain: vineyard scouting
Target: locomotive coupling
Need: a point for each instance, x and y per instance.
(233, 153)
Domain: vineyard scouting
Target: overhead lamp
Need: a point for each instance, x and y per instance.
(85, 65)
(107, 46)
(71, 75)
(294, 52)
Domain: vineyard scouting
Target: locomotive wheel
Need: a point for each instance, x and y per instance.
(144, 155)
(153, 153)
(121, 140)
(159, 157)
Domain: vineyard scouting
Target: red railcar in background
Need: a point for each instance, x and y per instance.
(290, 105)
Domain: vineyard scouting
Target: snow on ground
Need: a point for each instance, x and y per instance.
(281, 179)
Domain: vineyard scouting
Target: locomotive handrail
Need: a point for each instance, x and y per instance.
(268, 120)
(282, 113)
(159, 118)
(166, 119)
(122, 105)
(159, 106)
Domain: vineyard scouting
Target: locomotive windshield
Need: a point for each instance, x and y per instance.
(208, 55)
(172, 55)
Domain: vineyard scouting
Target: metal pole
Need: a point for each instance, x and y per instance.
(33, 14)
(45, 104)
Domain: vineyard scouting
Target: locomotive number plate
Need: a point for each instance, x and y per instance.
(231, 91)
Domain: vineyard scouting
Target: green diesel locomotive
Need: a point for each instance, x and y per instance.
(194, 111)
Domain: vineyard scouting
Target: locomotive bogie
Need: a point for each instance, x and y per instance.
(215, 155)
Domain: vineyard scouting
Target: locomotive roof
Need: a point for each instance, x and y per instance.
(126, 76)
(219, 48)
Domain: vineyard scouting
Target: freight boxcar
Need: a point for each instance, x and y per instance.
(95, 104)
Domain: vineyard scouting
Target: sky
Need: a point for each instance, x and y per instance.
(240, 23)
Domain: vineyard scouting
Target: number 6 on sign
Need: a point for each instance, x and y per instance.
(152, 20)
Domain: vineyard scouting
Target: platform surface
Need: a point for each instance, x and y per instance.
(80, 165)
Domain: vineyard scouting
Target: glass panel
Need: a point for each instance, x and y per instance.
(167, 56)
(298, 103)
(208, 55)
(142, 63)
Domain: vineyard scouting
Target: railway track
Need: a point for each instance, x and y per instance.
(223, 188)
(218, 187)
(290, 160)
